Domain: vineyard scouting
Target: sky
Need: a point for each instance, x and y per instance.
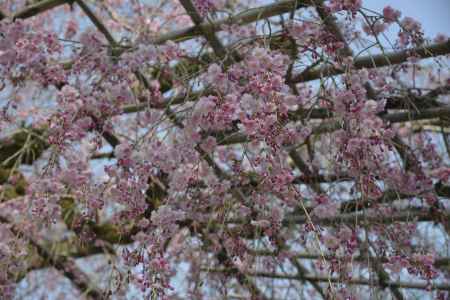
(433, 14)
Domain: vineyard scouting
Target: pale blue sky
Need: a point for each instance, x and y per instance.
(433, 14)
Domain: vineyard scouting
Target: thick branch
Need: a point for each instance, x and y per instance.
(65, 265)
(377, 61)
(351, 218)
(243, 18)
(208, 33)
(441, 262)
(40, 7)
(3, 15)
(398, 284)
(389, 196)
(100, 26)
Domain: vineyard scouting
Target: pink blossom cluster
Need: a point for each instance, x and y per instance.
(25, 54)
(227, 163)
(205, 6)
(349, 5)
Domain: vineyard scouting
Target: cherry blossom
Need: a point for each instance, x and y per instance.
(220, 149)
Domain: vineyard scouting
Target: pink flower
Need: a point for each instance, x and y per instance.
(248, 103)
(123, 151)
(441, 38)
(205, 105)
(330, 241)
(249, 126)
(261, 223)
(350, 5)
(144, 223)
(240, 264)
(345, 233)
(328, 210)
(71, 30)
(209, 144)
(370, 107)
(442, 173)
(390, 15)
(204, 6)
(214, 73)
(411, 25)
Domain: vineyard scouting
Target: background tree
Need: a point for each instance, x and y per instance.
(208, 149)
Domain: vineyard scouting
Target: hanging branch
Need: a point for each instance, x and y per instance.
(64, 264)
(377, 61)
(398, 284)
(38, 8)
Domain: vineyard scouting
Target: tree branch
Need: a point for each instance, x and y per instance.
(398, 284)
(65, 265)
(40, 7)
(377, 61)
